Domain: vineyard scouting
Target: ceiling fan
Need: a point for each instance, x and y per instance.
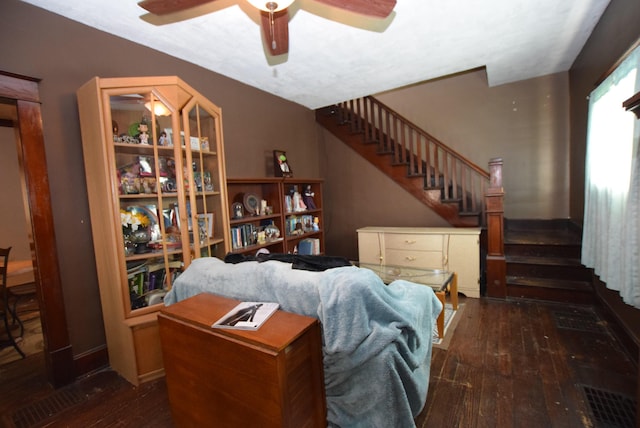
(274, 18)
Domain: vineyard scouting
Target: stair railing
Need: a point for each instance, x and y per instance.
(443, 168)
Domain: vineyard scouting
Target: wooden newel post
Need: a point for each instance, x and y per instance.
(496, 264)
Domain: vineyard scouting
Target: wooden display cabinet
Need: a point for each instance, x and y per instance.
(294, 224)
(156, 181)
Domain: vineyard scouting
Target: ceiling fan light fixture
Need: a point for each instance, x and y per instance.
(159, 109)
(270, 6)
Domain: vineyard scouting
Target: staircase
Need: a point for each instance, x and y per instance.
(524, 259)
(436, 175)
(543, 261)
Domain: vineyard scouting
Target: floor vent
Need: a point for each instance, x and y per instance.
(36, 412)
(610, 409)
(579, 320)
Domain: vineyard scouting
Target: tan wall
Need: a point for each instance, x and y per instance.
(66, 54)
(13, 221)
(525, 123)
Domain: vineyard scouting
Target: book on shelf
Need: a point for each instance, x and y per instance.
(247, 316)
(309, 246)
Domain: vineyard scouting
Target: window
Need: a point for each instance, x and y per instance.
(611, 234)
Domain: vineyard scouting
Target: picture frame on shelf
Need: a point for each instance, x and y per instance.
(281, 165)
(205, 224)
(168, 138)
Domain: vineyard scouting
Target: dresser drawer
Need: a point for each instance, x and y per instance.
(417, 259)
(413, 242)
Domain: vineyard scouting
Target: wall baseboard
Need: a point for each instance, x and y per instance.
(91, 361)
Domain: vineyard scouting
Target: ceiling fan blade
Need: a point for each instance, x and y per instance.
(376, 8)
(163, 7)
(276, 31)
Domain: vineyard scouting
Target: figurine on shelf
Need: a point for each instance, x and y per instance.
(316, 224)
(298, 205)
(162, 141)
(143, 129)
(307, 198)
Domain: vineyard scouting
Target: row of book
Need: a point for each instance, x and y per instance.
(243, 236)
(146, 277)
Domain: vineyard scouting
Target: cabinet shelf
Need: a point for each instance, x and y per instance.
(304, 235)
(305, 212)
(147, 195)
(249, 219)
(255, 247)
(142, 149)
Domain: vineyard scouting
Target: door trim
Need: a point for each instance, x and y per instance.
(31, 154)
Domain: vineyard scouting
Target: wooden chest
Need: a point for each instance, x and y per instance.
(271, 377)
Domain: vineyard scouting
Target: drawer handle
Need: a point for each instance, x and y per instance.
(410, 259)
(410, 241)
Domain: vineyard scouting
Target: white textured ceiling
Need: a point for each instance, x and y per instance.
(336, 55)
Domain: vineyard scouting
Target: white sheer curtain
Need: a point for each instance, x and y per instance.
(611, 232)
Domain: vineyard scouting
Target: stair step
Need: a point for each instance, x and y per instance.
(568, 291)
(549, 271)
(545, 261)
(550, 283)
(541, 224)
(537, 250)
(542, 237)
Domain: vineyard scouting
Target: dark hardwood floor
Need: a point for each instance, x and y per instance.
(509, 364)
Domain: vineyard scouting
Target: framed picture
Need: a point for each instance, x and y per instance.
(281, 166)
(205, 225)
(168, 137)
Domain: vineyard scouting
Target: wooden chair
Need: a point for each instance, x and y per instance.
(6, 309)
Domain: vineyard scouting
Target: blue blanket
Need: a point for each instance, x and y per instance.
(376, 338)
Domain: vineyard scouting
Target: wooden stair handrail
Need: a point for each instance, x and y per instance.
(440, 144)
(459, 179)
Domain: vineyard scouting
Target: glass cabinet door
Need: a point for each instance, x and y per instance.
(149, 195)
(205, 178)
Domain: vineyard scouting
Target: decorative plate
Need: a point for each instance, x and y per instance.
(251, 203)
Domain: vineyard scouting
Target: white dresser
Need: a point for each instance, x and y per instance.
(448, 248)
